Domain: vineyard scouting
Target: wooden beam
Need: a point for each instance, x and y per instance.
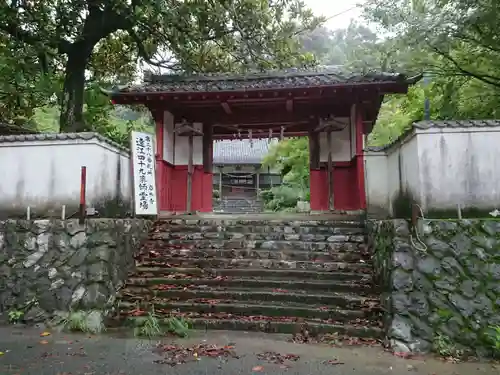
(289, 105)
(330, 170)
(314, 151)
(329, 124)
(207, 147)
(185, 129)
(226, 108)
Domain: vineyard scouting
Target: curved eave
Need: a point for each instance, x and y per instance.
(388, 87)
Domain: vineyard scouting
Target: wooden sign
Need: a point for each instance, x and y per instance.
(144, 177)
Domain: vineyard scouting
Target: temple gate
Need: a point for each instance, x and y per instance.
(334, 109)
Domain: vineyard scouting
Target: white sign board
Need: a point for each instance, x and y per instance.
(143, 166)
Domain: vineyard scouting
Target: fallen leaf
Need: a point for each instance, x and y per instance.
(333, 362)
(257, 368)
(44, 342)
(44, 334)
(2, 353)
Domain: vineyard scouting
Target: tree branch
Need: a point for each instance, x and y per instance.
(491, 80)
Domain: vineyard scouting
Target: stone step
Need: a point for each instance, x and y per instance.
(254, 284)
(264, 324)
(358, 267)
(261, 273)
(338, 300)
(285, 238)
(238, 223)
(340, 244)
(262, 228)
(293, 255)
(223, 308)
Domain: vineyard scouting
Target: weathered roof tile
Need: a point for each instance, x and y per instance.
(241, 151)
(39, 137)
(429, 124)
(290, 78)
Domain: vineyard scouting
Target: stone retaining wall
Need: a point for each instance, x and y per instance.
(443, 290)
(59, 266)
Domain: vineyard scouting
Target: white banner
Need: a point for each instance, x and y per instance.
(143, 166)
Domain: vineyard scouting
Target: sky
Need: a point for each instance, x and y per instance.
(329, 8)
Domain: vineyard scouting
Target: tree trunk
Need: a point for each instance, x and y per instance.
(72, 100)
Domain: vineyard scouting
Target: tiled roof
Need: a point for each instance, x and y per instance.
(86, 136)
(241, 151)
(429, 124)
(456, 124)
(322, 76)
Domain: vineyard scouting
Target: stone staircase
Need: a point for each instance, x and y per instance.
(265, 275)
(236, 205)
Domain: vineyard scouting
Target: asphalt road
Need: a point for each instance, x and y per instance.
(25, 352)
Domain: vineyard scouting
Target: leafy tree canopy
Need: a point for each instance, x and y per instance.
(69, 47)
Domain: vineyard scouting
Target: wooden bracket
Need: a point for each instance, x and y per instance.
(185, 129)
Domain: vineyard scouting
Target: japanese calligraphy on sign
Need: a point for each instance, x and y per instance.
(143, 164)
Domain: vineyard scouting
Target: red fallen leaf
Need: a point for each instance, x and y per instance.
(257, 368)
(166, 287)
(324, 308)
(137, 312)
(280, 290)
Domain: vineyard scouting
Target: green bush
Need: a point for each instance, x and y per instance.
(283, 198)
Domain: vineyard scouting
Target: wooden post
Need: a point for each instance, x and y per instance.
(207, 144)
(220, 183)
(83, 188)
(314, 151)
(190, 173)
(330, 170)
(257, 180)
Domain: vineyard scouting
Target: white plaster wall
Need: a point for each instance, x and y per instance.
(168, 137)
(403, 170)
(390, 172)
(181, 156)
(47, 173)
(460, 166)
(376, 182)
(341, 143)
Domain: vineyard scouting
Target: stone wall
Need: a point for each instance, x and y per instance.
(55, 266)
(442, 287)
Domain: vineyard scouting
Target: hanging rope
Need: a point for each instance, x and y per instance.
(239, 175)
(241, 187)
(422, 247)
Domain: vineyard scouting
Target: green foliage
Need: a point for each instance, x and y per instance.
(59, 51)
(492, 338)
(81, 321)
(283, 197)
(454, 42)
(445, 347)
(15, 316)
(291, 158)
(152, 326)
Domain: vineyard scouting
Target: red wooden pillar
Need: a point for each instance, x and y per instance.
(207, 186)
(158, 116)
(316, 176)
(360, 160)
